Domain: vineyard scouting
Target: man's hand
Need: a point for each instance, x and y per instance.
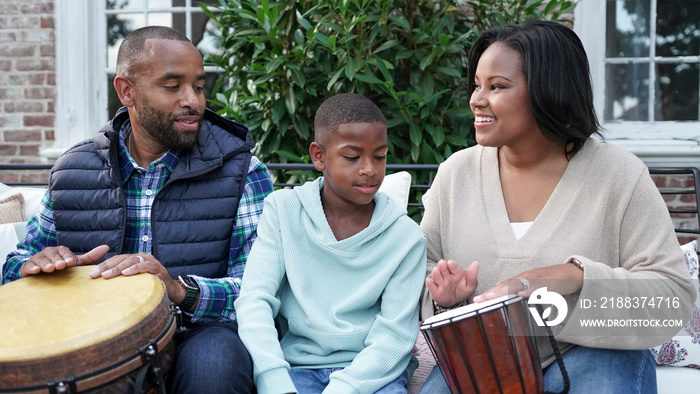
(449, 284)
(132, 264)
(59, 257)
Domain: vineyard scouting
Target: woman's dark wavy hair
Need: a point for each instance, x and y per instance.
(558, 78)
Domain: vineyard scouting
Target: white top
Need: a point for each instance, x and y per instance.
(520, 228)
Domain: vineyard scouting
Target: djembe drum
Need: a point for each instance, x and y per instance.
(486, 347)
(64, 332)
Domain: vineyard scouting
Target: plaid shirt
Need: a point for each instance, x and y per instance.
(140, 186)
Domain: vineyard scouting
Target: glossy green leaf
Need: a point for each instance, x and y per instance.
(368, 78)
(289, 155)
(290, 101)
(299, 37)
(460, 112)
(401, 22)
(428, 60)
(350, 70)
(448, 71)
(334, 79)
(279, 109)
(386, 45)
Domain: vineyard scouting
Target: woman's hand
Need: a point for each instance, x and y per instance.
(449, 284)
(561, 278)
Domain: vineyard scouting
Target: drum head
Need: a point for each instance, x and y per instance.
(53, 314)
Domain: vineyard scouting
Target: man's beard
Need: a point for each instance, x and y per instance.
(159, 126)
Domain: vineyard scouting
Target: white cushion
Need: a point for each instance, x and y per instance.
(12, 233)
(32, 197)
(397, 186)
(8, 240)
(671, 380)
(683, 350)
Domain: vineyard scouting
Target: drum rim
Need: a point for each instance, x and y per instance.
(456, 314)
(103, 375)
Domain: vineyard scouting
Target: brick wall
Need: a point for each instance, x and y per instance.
(27, 82)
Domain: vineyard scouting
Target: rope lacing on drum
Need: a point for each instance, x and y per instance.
(150, 374)
(557, 354)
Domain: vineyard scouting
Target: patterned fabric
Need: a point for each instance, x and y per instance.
(141, 185)
(683, 350)
(217, 295)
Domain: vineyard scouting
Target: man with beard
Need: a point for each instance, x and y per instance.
(167, 187)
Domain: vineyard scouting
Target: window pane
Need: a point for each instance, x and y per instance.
(163, 19)
(124, 4)
(627, 28)
(160, 3)
(118, 27)
(627, 92)
(678, 90)
(678, 28)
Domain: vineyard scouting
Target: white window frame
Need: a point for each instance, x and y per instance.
(81, 96)
(657, 143)
(81, 66)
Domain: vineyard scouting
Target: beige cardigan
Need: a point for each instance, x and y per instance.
(606, 211)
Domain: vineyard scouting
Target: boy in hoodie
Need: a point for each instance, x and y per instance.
(339, 265)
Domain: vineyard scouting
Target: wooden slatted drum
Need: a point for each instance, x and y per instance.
(487, 347)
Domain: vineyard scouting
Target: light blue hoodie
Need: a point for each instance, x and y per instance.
(350, 303)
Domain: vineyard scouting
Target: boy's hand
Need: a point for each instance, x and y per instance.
(449, 284)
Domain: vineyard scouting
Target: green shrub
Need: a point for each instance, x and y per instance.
(282, 59)
(409, 57)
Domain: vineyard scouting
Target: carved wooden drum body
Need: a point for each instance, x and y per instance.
(487, 347)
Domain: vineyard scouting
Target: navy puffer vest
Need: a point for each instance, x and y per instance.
(192, 216)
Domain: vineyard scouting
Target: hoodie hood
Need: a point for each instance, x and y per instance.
(386, 212)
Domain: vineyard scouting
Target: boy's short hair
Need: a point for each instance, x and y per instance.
(343, 109)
